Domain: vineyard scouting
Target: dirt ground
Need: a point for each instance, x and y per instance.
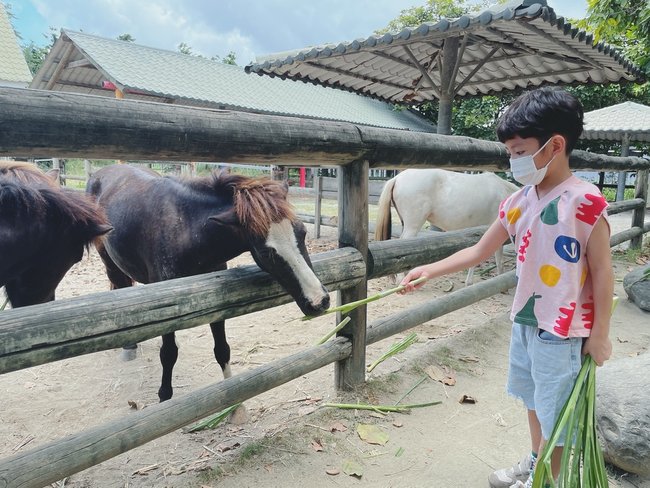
(291, 439)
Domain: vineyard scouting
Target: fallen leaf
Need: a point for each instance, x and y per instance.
(352, 468)
(333, 471)
(372, 434)
(227, 446)
(316, 445)
(338, 426)
(442, 374)
(398, 424)
(467, 399)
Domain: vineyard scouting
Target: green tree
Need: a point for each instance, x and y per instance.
(475, 116)
(126, 37)
(623, 23)
(183, 48)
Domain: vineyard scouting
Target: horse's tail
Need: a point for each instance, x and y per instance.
(383, 228)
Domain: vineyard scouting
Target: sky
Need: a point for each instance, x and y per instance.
(249, 28)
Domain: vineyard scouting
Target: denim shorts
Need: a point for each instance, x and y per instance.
(542, 371)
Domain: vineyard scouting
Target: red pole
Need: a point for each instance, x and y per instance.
(302, 177)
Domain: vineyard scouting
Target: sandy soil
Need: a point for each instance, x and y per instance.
(290, 440)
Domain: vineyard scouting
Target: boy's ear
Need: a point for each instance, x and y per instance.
(559, 144)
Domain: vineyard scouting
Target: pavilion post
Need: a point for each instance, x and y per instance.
(447, 84)
(638, 215)
(622, 175)
(353, 232)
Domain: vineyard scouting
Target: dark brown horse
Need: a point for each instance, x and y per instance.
(43, 231)
(168, 228)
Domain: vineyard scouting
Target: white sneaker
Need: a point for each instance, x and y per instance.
(527, 484)
(508, 477)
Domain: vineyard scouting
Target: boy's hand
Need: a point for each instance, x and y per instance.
(413, 275)
(599, 348)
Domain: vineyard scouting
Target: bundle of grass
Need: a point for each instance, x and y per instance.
(582, 458)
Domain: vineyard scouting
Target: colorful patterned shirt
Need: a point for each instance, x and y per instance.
(550, 235)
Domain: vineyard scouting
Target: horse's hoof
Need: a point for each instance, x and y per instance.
(128, 354)
(239, 416)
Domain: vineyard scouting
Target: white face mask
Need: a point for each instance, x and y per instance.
(524, 170)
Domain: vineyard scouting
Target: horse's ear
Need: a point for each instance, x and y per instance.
(53, 174)
(226, 218)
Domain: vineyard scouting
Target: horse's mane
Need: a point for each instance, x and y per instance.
(27, 193)
(258, 202)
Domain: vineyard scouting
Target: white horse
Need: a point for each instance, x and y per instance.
(446, 199)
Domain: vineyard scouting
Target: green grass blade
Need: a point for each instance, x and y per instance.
(214, 420)
(348, 307)
(341, 324)
(395, 349)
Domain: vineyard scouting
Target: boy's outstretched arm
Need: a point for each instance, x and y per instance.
(599, 259)
(495, 236)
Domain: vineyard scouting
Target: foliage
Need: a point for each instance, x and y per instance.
(126, 37)
(623, 23)
(432, 11)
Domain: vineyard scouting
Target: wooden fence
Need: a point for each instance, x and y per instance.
(34, 123)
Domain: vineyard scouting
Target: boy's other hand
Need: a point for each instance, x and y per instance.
(600, 349)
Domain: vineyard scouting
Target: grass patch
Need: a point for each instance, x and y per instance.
(254, 449)
(210, 475)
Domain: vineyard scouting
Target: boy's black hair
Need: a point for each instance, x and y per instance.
(542, 113)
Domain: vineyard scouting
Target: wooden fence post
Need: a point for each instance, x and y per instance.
(638, 216)
(318, 196)
(353, 232)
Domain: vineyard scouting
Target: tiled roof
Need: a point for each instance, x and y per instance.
(517, 45)
(143, 72)
(13, 67)
(610, 123)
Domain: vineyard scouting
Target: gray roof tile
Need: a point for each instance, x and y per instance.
(610, 123)
(141, 71)
(522, 44)
(13, 67)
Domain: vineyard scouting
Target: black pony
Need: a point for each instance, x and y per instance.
(168, 228)
(43, 231)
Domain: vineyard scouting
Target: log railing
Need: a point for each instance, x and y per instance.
(55, 124)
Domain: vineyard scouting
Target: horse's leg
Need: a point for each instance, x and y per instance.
(168, 357)
(498, 257)
(221, 347)
(222, 355)
(118, 280)
(470, 276)
(410, 228)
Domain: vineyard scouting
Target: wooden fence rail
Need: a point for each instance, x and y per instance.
(37, 123)
(110, 319)
(57, 460)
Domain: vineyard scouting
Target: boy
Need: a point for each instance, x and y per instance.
(558, 225)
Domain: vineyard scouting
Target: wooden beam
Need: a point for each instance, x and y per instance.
(638, 216)
(60, 66)
(38, 123)
(57, 460)
(80, 63)
(425, 74)
(110, 319)
(350, 373)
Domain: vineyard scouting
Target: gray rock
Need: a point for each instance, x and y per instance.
(638, 289)
(623, 413)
